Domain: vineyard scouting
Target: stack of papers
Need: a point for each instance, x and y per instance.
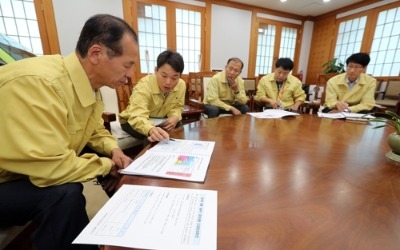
(273, 114)
(175, 159)
(147, 217)
(347, 116)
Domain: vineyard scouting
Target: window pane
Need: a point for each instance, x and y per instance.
(11, 28)
(22, 26)
(6, 8)
(29, 10)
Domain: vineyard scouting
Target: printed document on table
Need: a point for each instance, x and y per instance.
(273, 114)
(331, 115)
(149, 217)
(345, 115)
(175, 159)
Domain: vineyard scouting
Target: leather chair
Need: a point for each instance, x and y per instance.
(391, 93)
(250, 86)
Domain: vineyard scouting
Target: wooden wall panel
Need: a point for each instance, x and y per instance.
(321, 46)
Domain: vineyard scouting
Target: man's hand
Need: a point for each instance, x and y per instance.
(157, 134)
(233, 84)
(342, 106)
(235, 111)
(170, 123)
(110, 181)
(295, 106)
(274, 104)
(120, 159)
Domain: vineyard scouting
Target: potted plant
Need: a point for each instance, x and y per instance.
(391, 120)
(333, 66)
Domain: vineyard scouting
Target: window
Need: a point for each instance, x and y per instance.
(169, 25)
(375, 32)
(188, 38)
(349, 38)
(288, 42)
(18, 21)
(152, 33)
(385, 50)
(275, 40)
(265, 48)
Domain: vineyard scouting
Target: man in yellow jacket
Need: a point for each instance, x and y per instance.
(50, 110)
(160, 95)
(352, 91)
(225, 92)
(280, 89)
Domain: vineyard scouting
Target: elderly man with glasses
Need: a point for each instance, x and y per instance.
(352, 91)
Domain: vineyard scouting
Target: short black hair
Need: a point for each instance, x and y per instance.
(359, 58)
(173, 58)
(285, 63)
(235, 59)
(106, 30)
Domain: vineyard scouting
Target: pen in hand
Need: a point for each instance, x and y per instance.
(168, 140)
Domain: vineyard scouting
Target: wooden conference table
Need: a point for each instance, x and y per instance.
(297, 183)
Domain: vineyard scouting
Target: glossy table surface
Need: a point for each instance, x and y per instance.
(297, 183)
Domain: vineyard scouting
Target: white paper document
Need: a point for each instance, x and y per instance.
(273, 114)
(178, 159)
(148, 217)
(158, 122)
(345, 115)
(117, 131)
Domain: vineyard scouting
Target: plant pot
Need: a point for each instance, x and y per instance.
(394, 142)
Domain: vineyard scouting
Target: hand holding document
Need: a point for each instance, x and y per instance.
(176, 159)
(273, 114)
(147, 217)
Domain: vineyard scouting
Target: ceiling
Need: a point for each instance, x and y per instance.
(300, 7)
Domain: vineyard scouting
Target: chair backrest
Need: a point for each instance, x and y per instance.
(116, 100)
(393, 89)
(205, 80)
(258, 78)
(249, 84)
(110, 99)
(197, 84)
(317, 91)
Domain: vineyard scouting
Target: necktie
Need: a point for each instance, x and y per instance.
(279, 84)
